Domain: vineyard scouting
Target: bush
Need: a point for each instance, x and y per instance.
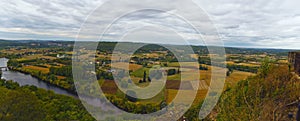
(130, 98)
(171, 72)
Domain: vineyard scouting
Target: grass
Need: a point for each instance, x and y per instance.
(156, 99)
(140, 72)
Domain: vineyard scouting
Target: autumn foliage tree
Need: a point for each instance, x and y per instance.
(260, 97)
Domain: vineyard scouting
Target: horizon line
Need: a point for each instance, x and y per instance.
(241, 47)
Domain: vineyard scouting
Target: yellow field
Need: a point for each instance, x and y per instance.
(230, 62)
(13, 50)
(60, 77)
(171, 93)
(283, 61)
(152, 55)
(248, 64)
(205, 78)
(195, 56)
(48, 57)
(58, 65)
(47, 65)
(237, 76)
(123, 65)
(71, 52)
(186, 76)
(36, 68)
(30, 57)
(176, 64)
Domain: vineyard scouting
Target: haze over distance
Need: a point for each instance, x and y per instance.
(247, 24)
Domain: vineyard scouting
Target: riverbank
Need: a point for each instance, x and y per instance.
(39, 78)
(29, 103)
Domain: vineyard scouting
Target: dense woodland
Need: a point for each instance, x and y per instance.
(29, 103)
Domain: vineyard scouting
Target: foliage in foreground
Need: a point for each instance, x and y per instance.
(266, 96)
(29, 103)
(262, 97)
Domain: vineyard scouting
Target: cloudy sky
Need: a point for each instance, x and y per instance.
(240, 23)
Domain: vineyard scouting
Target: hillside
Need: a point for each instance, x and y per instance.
(271, 95)
(29, 103)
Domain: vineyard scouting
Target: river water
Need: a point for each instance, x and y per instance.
(26, 79)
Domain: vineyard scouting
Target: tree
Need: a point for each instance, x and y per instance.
(265, 67)
(29, 103)
(131, 95)
(20, 105)
(203, 67)
(228, 73)
(171, 72)
(63, 71)
(144, 77)
(163, 104)
(256, 97)
(178, 71)
(13, 63)
(298, 113)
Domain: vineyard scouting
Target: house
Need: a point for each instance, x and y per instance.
(294, 60)
(111, 70)
(60, 56)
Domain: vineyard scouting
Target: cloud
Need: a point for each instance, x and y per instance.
(242, 23)
(256, 23)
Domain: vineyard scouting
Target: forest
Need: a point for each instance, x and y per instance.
(30, 103)
(271, 95)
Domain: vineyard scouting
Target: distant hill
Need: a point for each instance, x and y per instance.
(109, 46)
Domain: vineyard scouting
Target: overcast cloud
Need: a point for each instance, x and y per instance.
(240, 23)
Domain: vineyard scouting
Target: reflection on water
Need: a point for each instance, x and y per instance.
(25, 79)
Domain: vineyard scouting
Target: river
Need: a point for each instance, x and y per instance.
(26, 79)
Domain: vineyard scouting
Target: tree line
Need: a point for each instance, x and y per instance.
(29, 103)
